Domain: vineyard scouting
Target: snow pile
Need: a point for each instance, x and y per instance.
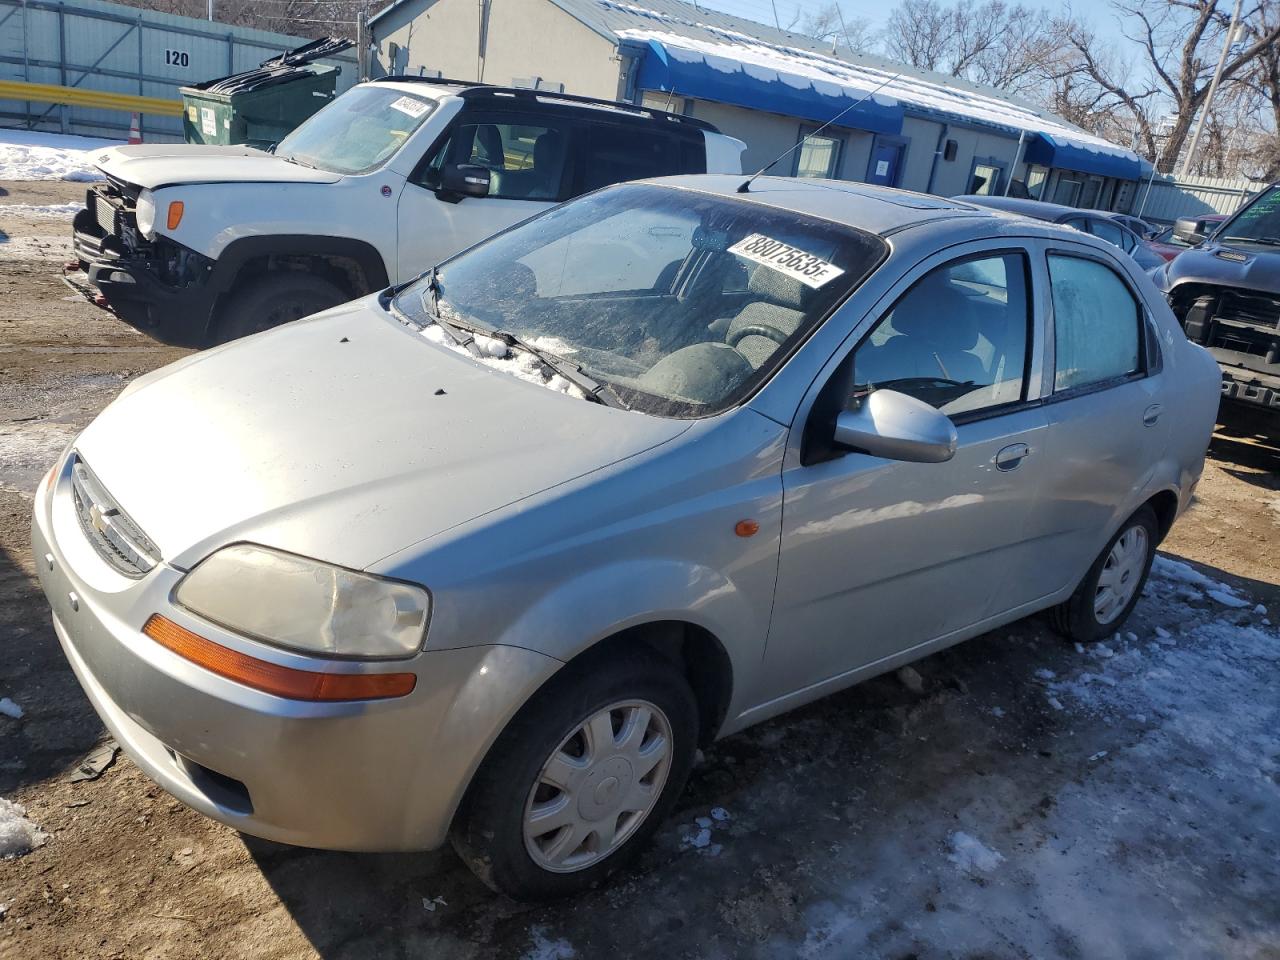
(545, 948)
(496, 354)
(10, 709)
(1185, 574)
(18, 835)
(27, 155)
(41, 211)
(970, 854)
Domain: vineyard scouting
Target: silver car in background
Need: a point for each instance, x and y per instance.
(488, 557)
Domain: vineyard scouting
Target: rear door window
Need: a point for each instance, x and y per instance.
(615, 153)
(1096, 324)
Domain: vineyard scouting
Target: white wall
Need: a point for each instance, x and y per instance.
(525, 38)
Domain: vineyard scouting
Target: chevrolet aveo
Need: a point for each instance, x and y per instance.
(487, 557)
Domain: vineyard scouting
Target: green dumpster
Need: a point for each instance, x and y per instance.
(258, 107)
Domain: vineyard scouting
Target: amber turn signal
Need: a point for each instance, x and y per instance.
(175, 214)
(746, 528)
(271, 677)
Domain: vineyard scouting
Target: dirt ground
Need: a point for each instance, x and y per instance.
(1035, 800)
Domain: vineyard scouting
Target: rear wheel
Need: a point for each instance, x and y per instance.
(580, 779)
(272, 300)
(1110, 590)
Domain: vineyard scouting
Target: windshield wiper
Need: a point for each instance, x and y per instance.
(292, 159)
(594, 389)
(1269, 241)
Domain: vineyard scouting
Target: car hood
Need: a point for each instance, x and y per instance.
(1230, 264)
(155, 165)
(345, 437)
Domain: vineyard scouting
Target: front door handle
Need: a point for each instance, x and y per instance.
(1152, 414)
(1011, 456)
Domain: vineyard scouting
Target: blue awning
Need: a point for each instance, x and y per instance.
(690, 73)
(1123, 165)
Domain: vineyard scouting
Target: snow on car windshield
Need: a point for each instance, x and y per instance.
(681, 302)
(358, 131)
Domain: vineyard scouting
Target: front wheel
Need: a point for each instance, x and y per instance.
(580, 779)
(1110, 590)
(272, 300)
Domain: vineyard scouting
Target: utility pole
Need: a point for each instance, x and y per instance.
(1213, 88)
(210, 8)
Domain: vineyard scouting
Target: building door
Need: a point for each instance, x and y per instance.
(886, 163)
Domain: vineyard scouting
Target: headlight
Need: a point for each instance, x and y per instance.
(306, 605)
(145, 211)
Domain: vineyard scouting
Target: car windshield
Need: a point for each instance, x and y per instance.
(680, 302)
(358, 131)
(1259, 222)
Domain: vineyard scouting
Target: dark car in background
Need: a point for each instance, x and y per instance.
(1226, 294)
(1168, 243)
(1103, 224)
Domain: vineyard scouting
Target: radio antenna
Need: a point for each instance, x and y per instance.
(745, 187)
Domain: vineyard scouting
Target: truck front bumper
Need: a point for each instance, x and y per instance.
(177, 315)
(1244, 382)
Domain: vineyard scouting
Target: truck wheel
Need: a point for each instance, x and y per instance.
(272, 300)
(580, 779)
(1111, 588)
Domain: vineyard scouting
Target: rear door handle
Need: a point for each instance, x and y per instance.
(1152, 414)
(1011, 456)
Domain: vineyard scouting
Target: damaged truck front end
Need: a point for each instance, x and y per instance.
(155, 285)
(1226, 295)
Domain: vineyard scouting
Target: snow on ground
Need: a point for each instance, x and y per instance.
(18, 835)
(41, 211)
(972, 855)
(544, 948)
(10, 709)
(27, 450)
(28, 155)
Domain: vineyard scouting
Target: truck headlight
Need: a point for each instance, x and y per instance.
(305, 605)
(145, 212)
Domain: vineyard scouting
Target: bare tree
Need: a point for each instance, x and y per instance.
(828, 24)
(921, 33)
(1179, 41)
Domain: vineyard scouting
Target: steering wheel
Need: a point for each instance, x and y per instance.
(756, 330)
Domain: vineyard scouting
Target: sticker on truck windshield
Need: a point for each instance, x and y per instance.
(795, 263)
(413, 107)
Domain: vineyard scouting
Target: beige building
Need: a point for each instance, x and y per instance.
(897, 125)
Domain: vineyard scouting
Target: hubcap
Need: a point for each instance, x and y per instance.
(1120, 574)
(597, 787)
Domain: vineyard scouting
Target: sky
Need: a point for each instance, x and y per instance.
(873, 12)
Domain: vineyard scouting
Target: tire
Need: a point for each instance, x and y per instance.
(272, 300)
(489, 832)
(1088, 616)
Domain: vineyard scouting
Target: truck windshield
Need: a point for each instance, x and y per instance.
(680, 302)
(358, 131)
(1259, 222)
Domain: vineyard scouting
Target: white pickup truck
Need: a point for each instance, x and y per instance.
(199, 245)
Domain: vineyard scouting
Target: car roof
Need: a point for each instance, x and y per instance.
(878, 210)
(1039, 209)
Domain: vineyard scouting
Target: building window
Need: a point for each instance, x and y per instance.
(1067, 192)
(819, 157)
(1037, 177)
(984, 181)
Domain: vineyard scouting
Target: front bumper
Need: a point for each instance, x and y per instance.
(178, 315)
(370, 775)
(1242, 383)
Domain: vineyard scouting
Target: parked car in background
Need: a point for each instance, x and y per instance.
(1101, 223)
(204, 244)
(1168, 244)
(1139, 226)
(490, 556)
(1226, 293)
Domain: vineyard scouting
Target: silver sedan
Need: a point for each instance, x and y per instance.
(489, 556)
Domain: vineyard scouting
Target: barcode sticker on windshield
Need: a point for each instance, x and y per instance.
(410, 105)
(795, 263)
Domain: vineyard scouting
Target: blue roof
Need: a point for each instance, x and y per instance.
(688, 74)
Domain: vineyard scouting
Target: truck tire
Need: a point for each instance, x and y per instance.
(620, 738)
(272, 300)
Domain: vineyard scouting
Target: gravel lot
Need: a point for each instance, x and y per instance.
(1034, 800)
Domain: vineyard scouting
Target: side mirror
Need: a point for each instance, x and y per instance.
(1189, 230)
(465, 180)
(897, 427)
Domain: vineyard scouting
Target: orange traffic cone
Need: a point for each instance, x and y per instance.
(135, 130)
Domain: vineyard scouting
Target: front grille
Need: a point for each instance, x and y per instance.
(110, 530)
(1247, 306)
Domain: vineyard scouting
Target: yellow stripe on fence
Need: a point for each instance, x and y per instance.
(80, 97)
